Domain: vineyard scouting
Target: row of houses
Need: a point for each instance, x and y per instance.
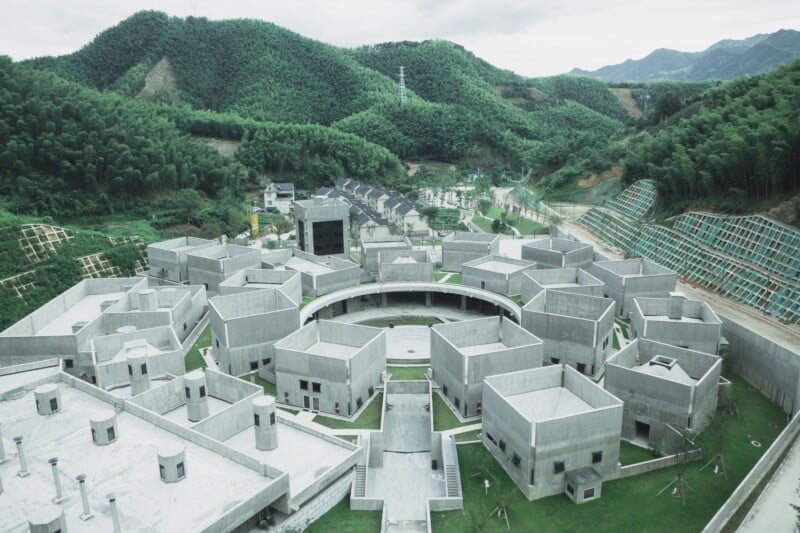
(386, 205)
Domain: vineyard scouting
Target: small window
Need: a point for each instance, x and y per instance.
(256, 420)
(94, 435)
(502, 445)
(303, 384)
(188, 393)
(272, 418)
(555, 360)
(217, 343)
(588, 493)
(371, 390)
(202, 391)
(597, 457)
(316, 387)
(205, 285)
(479, 407)
(491, 439)
(581, 368)
(558, 467)
(93, 379)
(515, 459)
(69, 363)
(181, 470)
(571, 489)
(253, 365)
(111, 434)
(532, 483)
(444, 390)
(266, 361)
(130, 370)
(359, 403)
(53, 404)
(162, 472)
(144, 369)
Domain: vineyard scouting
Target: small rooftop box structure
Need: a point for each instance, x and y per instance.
(633, 278)
(574, 280)
(169, 259)
(372, 246)
(213, 265)
(677, 321)
(558, 253)
(254, 279)
(461, 246)
(404, 265)
(496, 273)
(323, 274)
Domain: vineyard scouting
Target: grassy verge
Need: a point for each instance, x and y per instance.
(630, 504)
(341, 518)
(468, 435)
(455, 278)
(194, 359)
(517, 299)
(370, 418)
(401, 373)
(630, 454)
(306, 301)
(411, 320)
(443, 417)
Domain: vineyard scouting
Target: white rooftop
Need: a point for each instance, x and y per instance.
(544, 404)
(501, 267)
(332, 349)
(477, 349)
(128, 467)
(673, 373)
(309, 267)
(86, 310)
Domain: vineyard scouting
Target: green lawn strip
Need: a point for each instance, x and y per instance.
(517, 299)
(437, 276)
(194, 359)
(484, 223)
(468, 435)
(614, 340)
(306, 301)
(629, 504)
(623, 326)
(401, 373)
(529, 227)
(370, 418)
(341, 518)
(348, 438)
(443, 417)
(455, 278)
(630, 454)
(411, 320)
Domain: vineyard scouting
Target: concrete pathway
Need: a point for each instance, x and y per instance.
(444, 279)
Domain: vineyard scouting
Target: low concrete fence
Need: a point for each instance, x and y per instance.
(771, 457)
(656, 464)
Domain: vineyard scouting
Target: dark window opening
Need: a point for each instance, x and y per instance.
(256, 420)
(111, 434)
(328, 237)
(303, 384)
(316, 387)
(479, 407)
(491, 439)
(581, 368)
(188, 393)
(202, 391)
(69, 363)
(144, 369)
(555, 360)
(371, 390)
(130, 370)
(266, 361)
(558, 467)
(272, 418)
(532, 476)
(597, 457)
(444, 390)
(359, 403)
(184, 326)
(53, 404)
(588, 493)
(570, 489)
(217, 343)
(181, 470)
(94, 435)
(457, 402)
(515, 459)
(502, 445)
(162, 472)
(253, 365)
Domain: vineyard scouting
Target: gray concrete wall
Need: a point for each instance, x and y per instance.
(370, 249)
(700, 336)
(533, 282)
(633, 278)
(286, 280)
(460, 247)
(420, 270)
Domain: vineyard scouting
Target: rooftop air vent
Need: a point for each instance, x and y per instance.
(663, 360)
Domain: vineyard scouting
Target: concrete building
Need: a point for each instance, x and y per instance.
(142, 464)
(169, 259)
(677, 321)
(404, 265)
(246, 325)
(212, 265)
(574, 280)
(576, 329)
(330, 366)
(496, 273)
(279, 197)
(463, 353)
(558, 253)
(372, 246)
(661, 384)
(254, 279)
(553, 431)
(94, 324)
(461, 246)
(321, 275)
(323, 226)
(633, 278)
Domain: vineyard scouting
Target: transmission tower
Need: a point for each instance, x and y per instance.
(401, 90)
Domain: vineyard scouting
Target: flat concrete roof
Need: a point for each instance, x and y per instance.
(86, 310)
(501, 267)
(674, 373)
(544, 404)
(386, 244)
(404, 259)
(309, 267)
(303, 455)
(560, 285)
(332, 349)
(14, 381)
(665, 318)
(127, 467)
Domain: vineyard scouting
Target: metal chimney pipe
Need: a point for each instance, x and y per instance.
(112, 502)
(23, 467)
(56, 480)
(3, 457)
(87, 512)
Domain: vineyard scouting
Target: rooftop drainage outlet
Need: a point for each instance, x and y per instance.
(412, 351)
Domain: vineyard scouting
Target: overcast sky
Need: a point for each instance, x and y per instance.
(530, 37)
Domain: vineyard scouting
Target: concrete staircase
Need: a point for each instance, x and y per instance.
(407, 526)
(451, 480)
(360, 487)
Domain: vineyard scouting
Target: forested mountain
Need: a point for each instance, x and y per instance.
(459, 107)
(737, 145)
(725, 60)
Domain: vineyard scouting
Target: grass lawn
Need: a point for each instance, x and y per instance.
(614, 340)
(486, 224)
(630, 454)
(629, 504)
(269, 388)
(517, 299)
(370, 418)
(400, 373)
(529, 227)
(443, 417)
(411, 320)
(437, 276)
(194, 358)
(341, 518)
(455, 278)
(624, 326)
(306, 301)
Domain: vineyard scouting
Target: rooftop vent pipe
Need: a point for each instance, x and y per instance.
(59, 497)
(87, 511)
(112, 503)
(3, 457)
(23, 467)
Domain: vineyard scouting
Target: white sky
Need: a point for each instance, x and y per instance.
(530, 37)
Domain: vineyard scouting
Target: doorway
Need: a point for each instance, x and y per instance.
(642, 431)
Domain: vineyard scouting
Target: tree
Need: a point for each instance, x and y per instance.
(430, 213)
(188, 202)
